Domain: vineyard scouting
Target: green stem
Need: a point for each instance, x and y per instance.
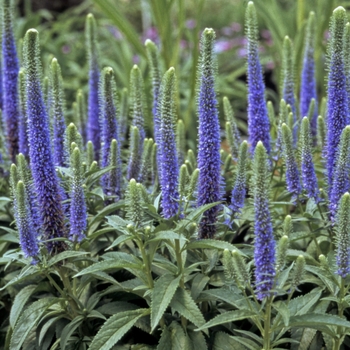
(337, 341)
(181, 273)
(267, 324)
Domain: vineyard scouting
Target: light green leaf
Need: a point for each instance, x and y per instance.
(19, 302)
(185, 306)
(210, 244)
(163, 291)
(119, 240)
(28, 320)
(223, 341)
(167, 235)
(301, 305)
(227, 317)
(198, 284)
(283, 311)
(27, 272)
(65, 255)
(9, 238)
(115, 327)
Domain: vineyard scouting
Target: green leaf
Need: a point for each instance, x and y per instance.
(9, 238)
(119, 240)
(198, 340)
(320, 322)
(210, 244)
(173, 338)
(198, 284)
(27, 272)
(161, 235)
(283, 311)
(185, 306)
(163, 291)
(223, 341)
(115, 327)
(19, 302)
(229, 316)
(69, 329)
(45, 327)
(28, 320)
(65, 255)
(302, 304)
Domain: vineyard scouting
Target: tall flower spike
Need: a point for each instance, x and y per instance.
(308, 174)
(233, 136)
(28, 239)
(308, 80)
(288, 82)
(239, 188)
(154, 62)
(56, 107)
(347, 61)
(113, 183)
(292, 173)
(23, 124)
(43, 170)
(209, 186)
(169, 169)
(258, 121)
(181, 141)
(146, 167)
(93, 127)
(342, 238)
(134, 160)
(137, 102)
(78, 216)
(341, 181)
(71, 135)
(264, 246)
(108, 113)
(321, 133)
(337, 102)
(10, 80)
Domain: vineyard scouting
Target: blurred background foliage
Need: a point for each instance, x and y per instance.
(175, 25)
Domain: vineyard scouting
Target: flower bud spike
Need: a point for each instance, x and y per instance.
(134, 160)
(337, 100)
(93, 127)
(81, 114)
(89, 153)
(41, 160)
(193, 183)
(292, 172)
(46, 89)
(28, 239)
(124, 112)
(114, 176)
(71, 135)
(288, 82)
(264, 247)
(154, 164)
(308, 91)
(210, 181)
(9, 82)
(78, 210)
(321, 133)
(281, 253)
(342, 236)
(154, 63)
(146, 168)
(133, 201)
(239, 188)
(183, 180)
(233, 136)
(169, 169)
(181, 141)
(23, 124)
(240, 268)
(347, 61)
(56, 107)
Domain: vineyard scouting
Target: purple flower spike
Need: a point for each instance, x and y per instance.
(337, 103)
(168, 152)
(93, 127)
(42, 166)
(308, 80)
(9, 81)
(209, 184)
(264, 246)
(258, 120)
(23, 124)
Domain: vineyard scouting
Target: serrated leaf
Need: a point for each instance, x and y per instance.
(197, 340)
(28, 320)
(198, 284)
(318, 321)
(69, 329)
(115, 327)
(119, 240)
(27, 272)
(163, 291)
(223, 341)
(227, 317)
(161, 235)
(210, 244)
(45, 327)
(185, 306)
(283, 311)
(302, 304)
(19, 302)
(65, 255)
(173, 338)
